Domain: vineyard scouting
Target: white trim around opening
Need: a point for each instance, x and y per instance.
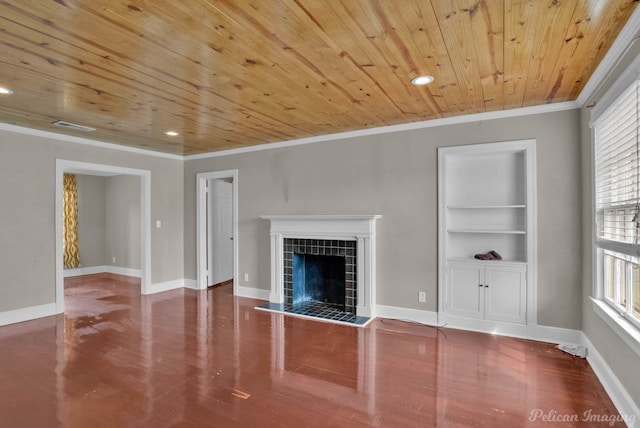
(73, 167)
(201, 226)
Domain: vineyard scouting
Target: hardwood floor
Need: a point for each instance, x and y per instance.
(188, 358)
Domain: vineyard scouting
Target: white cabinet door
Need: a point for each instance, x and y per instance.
(484, 291)
(465, 294)
(505, 294)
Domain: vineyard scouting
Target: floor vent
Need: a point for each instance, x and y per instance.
(75, 126)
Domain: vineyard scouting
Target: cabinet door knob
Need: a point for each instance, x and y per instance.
(486, 286)
(480, 285)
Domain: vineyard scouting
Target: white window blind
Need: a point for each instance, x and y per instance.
(617, 171)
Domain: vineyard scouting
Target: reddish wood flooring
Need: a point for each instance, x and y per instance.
(206, 359)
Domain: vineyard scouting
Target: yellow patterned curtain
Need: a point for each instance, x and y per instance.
(70, 237)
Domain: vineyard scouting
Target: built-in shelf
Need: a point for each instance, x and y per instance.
(484, 207)
(504, 232)
(502, 262)
(486, 197)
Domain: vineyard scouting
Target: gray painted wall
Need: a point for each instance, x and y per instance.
(92, 220)
(27, 214)
(109, 220)
(395, 175)
(123, 221)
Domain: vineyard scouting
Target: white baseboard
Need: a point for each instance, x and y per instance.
(395, 312)
(125, 271)
(558, 335)
(532, 332)
(159, 287)
(27, 314)
(190, 283)
(252, 293)
(101, 269)
(540, 333)
(67, 273)
(617, 392)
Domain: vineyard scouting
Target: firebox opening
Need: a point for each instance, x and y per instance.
(319, 278)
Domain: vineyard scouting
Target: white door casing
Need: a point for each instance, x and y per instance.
(67, 166)
(201, 224)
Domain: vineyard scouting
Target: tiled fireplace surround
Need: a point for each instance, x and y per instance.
(322, 247)
(331, 235)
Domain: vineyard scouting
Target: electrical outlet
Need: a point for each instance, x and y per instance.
(246, 277)
(422, 296)
(114, 260)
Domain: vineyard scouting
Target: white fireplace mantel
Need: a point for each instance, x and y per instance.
(359, 228)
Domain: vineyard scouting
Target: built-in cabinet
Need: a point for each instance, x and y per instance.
(487, 202)
(487, 290)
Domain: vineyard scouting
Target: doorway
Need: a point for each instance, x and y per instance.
(73, 167)
(217, 229)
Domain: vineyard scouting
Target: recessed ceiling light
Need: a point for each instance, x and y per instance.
(421, 80)
(172, 133)
(5, 91)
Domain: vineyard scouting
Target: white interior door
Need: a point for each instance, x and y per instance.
(219, 231)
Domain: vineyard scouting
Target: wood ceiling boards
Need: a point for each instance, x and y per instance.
(230, 74)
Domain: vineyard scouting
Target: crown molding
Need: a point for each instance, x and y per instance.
(612, 58)
(85, 141)
(455, 120)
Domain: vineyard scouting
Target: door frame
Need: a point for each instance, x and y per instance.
(73, 167)
(201, 225)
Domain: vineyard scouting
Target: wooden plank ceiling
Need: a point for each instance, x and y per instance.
(234, 73)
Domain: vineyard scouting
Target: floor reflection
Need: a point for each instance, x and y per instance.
(206, 358)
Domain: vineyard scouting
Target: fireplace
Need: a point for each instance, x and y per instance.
(321, 270)
(324, 258)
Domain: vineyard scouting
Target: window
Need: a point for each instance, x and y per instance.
(617, 203)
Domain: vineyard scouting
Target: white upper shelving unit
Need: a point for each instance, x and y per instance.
(507, 232)
(485, 200)
(483, 207)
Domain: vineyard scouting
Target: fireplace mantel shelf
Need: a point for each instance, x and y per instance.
(322, 217)
(327, 226)
(361, 228)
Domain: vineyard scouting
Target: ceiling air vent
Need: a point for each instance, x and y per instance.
(75, 126)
